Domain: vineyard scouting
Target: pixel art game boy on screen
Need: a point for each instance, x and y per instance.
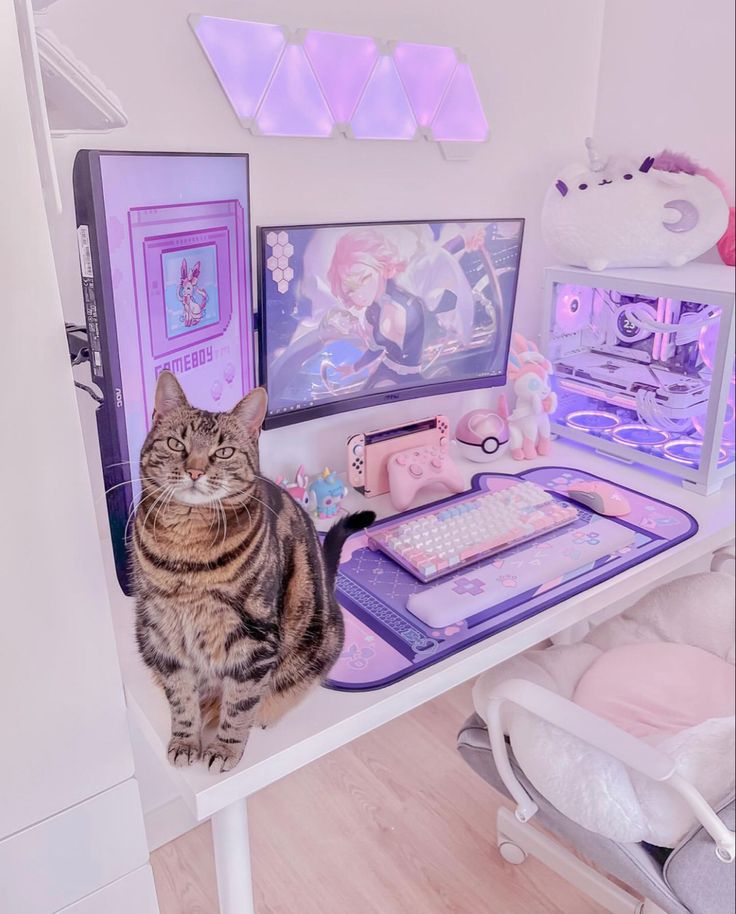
(355, 315)
(165, 261)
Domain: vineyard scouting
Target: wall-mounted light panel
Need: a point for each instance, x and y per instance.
(320, 84)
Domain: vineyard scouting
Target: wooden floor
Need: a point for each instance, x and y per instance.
(393, 823)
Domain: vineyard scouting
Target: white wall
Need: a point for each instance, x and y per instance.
(667, 79)
(538, 105)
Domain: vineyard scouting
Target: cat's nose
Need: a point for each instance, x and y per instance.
(195, 474)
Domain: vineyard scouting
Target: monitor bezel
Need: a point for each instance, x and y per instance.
(318, 410)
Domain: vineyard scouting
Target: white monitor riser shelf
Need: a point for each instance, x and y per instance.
(329, 719)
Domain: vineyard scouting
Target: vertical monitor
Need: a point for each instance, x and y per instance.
(165, 262)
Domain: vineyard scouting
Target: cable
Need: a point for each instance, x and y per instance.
(686, 331)
(652, 413)
(92, 393)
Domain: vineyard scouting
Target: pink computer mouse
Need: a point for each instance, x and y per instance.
(600, 497)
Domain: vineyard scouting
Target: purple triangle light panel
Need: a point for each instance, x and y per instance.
(294, 104)
(384, 112)
(243, 56)
(425, 71)
(292, 88)
(343, 64)
(460, 115)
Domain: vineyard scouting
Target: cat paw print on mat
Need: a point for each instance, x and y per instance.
(358, 657)
(508, 580)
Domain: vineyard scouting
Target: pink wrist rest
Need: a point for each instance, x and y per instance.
(657, 688)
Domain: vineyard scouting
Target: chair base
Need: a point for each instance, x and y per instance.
(516, 841)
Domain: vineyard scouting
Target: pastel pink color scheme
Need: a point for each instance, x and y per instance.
(425, 70)
(384, 112)
(460, 115)
(727, 244)
(679, 162)
(364, 247)
(299, 489)
(414, 469)
(600, 496)
(294, 104)
(657, 688)
(243, 55)
(482, 434)
(529, 428)
(343, 64)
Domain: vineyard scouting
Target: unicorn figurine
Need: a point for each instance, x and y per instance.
(529, 371)
(299, 489)
(328, 490)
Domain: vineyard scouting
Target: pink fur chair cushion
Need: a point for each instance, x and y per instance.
(657, 688)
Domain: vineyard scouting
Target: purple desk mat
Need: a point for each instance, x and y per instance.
(384, 642)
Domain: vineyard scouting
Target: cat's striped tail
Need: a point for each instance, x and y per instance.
(338, 533)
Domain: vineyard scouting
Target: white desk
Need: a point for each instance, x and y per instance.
(329, 719)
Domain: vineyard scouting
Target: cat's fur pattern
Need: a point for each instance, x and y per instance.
(234, 595)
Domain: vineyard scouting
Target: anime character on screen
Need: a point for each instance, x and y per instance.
(363, 276)
(391, 307)
(194, 300)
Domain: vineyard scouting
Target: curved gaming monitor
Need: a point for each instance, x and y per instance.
(356, 315)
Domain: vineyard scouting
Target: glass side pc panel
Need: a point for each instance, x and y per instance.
(638, 371)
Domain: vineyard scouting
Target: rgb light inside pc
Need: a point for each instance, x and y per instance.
(639, 371)
(355, 315)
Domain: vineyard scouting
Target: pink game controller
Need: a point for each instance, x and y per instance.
(413, 469)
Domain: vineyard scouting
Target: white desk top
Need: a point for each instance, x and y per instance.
(329, 719)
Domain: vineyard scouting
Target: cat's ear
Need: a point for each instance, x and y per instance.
(184, 271)
(169, 396)
(251, 410)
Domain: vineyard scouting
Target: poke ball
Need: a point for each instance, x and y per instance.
(216, 390)
(229, 372)
(482, 435)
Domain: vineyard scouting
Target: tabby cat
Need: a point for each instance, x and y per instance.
(234, 595)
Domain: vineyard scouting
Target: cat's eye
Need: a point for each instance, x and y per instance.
(175, 444)
(224, 452)
(628, 177)
(582, 186)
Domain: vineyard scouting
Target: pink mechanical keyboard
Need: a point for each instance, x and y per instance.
(447, 537)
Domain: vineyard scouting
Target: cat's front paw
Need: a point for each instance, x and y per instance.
(183, 750)
(220, 756)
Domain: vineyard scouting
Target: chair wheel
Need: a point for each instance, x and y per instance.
(511, 852)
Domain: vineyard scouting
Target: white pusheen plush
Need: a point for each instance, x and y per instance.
(620, 213)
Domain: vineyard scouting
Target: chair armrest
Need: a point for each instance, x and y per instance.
(588, 727)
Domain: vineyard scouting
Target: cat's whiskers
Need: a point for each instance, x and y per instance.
(127, 482)
(171, 489)
(159, 497)
(122, 463)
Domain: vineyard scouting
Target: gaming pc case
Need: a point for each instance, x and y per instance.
(644, 366)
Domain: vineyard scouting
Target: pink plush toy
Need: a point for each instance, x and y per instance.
(529, 371)
(727, 244)
(298, 489)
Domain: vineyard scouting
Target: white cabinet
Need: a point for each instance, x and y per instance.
(65, 858)
(70, 816)
(133, 893)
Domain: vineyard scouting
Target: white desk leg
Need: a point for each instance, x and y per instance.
(232, 859)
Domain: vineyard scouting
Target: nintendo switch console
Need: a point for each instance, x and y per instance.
(369, 452)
